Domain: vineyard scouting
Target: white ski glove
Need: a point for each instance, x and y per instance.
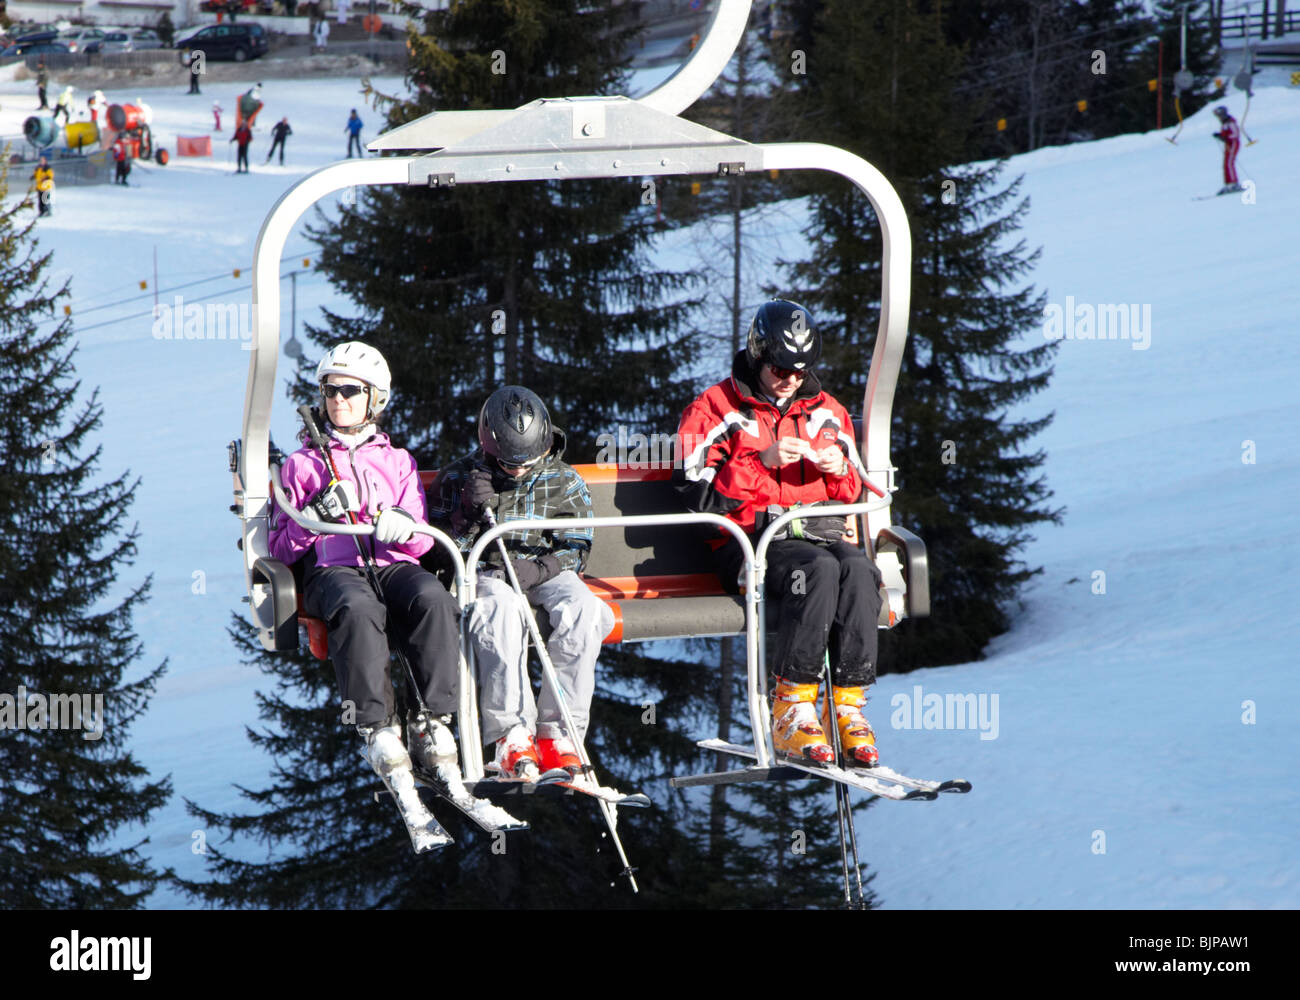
(394, 526)
(332, 503)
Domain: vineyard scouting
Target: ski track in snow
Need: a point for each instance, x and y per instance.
(1119, 713)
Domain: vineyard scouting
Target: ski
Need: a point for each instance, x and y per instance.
(560, 784)
(855, 778)
(950, 785)
(425, 832)
(451, 788)
(589, 786)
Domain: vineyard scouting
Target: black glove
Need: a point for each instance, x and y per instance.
(475, 494)
(820, 529)
(529, 572)
(332, 503)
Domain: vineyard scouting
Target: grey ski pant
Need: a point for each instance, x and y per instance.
(579, 621)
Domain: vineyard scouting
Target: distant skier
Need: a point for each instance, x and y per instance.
(1230, 135)
(43, 179)
(321, 34)
(243, 136)
(279, 132)
(194, 62)
(216, 116)
(95, 102)
(123, 160)
(64, 104)
(42, 82)
(353, 129)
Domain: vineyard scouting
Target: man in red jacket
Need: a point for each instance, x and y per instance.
(755, 445)
(243, 135)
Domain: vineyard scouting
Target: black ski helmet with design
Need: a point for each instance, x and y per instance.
(514, 426)
(782, 335)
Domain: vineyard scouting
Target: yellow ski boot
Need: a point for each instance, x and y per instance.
(857, 738)
(795, 730)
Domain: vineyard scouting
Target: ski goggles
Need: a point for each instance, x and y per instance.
(784, 373)
(329, 390)
(513, 467)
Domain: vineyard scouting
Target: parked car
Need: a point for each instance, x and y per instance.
(112, 41)
(126, 40)
(34, 49)
(35, 35)
(228, 41)
(78, 38)
(145, 38)
(226, 6)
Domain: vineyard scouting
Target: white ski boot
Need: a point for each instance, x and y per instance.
(434, 750)
(386, 753)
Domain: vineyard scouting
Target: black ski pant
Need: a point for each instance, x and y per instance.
(277, 141)
(241, 161)
(830, 602)
(425, 626)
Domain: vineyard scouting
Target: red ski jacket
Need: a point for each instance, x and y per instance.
(722, 433)
(1229, 131)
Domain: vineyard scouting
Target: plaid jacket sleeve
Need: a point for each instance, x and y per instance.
(572, 546)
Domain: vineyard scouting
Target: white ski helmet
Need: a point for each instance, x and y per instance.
(360, 361)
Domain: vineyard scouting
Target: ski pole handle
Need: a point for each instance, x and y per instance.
(314, 431)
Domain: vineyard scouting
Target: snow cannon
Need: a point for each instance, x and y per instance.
(81, 134)
(40, 132)
(248, 107)
(132, 121)
(126, 118)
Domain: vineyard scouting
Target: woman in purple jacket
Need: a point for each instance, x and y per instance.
(381, 485)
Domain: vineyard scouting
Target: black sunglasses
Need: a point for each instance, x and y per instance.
(329, 390)
(784, 373)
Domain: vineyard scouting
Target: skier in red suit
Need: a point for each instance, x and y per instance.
(1230, 135)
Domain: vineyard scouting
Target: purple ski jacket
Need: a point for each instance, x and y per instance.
(383, 477)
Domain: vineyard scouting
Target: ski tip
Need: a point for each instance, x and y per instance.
(920, 795)
(954, 785)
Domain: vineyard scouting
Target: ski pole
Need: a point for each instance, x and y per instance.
(607, 809)
(318, 439)
(843, 808)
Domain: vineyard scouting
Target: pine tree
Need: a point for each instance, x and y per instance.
(470, 288)
(1030, 63)
(798, 863)
(880, 85)
(71, 785)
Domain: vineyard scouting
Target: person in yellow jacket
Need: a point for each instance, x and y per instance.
(43, 180)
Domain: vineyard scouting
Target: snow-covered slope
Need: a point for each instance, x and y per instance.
(1119, 713)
